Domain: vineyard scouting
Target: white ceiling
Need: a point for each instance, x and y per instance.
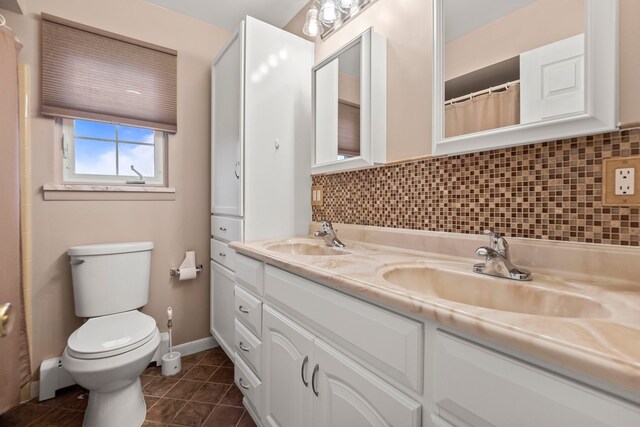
(228, 13)
(463, 16)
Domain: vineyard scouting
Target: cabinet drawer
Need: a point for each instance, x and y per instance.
(249, 347)
(227, 229)
(248, 310)
(249, 384)
(250, 274)
(223, 254)
(388, 343)
(476, 386)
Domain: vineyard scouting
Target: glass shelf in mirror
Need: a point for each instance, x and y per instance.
(512, 72)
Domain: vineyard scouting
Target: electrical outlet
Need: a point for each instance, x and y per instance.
(316, 195)
(625, 182)
(619, 181)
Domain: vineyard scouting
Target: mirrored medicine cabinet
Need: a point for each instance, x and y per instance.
(350, 106)
(511, 72)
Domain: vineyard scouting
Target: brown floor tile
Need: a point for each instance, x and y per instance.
(210, 393)
(224, 416)
(233, 397)
(160, 386)
(155, 371)
(58, 417)
(228, 364)
(164, 410)
(77, 402)
(193, 414)
(75, 421)
(153, 424)
(146, 379)
(215, 357)
(184, 389)
(223, 376)
(246, 420)
(24, 414)
(200, 373)
(150, 401)
(194, 358)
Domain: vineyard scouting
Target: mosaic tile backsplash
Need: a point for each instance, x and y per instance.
(551, 190)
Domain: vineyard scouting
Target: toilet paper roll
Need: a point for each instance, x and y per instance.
(188, 269)
(187, 273)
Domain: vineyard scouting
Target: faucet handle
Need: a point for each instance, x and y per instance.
(494, 238)
(498, 243)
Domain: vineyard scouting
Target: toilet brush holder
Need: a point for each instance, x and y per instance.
(171, 363)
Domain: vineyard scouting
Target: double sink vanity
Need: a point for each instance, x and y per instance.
(395, 328)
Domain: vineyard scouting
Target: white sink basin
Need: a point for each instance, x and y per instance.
(495, 293)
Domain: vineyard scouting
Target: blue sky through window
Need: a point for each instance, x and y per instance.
(95, 156)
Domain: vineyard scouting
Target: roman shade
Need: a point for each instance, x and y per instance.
(97, 75)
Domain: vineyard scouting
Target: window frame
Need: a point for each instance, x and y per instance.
(67, 128)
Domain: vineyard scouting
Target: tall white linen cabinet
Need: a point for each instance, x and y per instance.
(261, 141)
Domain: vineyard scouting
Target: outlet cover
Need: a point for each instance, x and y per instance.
(316, 195)
(614, 183)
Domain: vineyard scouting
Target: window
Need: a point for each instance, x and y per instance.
(108, 153)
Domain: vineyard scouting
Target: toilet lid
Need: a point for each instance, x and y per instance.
(107, 336)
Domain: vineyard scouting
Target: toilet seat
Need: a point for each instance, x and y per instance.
(108, 336)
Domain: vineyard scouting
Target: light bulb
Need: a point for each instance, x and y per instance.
(328, 13)
(347, 4)
(311, 25)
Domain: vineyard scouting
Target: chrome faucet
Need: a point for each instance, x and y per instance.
(497, 260)
(329, 235)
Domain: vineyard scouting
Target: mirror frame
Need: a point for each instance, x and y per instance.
(601, 90)
(373, 104)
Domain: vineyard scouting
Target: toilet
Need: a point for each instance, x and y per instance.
(107, 354)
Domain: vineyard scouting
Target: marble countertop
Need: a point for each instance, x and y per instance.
(590, 326)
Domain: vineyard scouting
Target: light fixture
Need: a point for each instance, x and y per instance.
(328, 12)
(311, 24)
(326, 16)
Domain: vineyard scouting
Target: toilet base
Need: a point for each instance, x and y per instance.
(124, 407)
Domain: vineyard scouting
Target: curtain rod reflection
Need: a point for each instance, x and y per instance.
(498, 88)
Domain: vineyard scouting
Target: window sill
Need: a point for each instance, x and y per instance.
(106, 192)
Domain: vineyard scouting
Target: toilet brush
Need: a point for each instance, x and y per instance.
(171, 362)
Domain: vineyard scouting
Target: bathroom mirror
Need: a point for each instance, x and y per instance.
(512, 72)
(349, 106)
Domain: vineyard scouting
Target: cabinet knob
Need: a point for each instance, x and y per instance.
(243, 348)
(304, 366)
(313, 379)
(243, 310)
(246, 387)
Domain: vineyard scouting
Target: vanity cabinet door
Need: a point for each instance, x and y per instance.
(349, 395)
(287, 367)
(222, 304)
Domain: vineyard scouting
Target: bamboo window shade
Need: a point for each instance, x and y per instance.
(97, 75)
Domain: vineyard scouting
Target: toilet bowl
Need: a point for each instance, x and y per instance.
(106, 356)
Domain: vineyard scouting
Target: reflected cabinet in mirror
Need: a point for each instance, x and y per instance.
(511, 72)
(349, 104)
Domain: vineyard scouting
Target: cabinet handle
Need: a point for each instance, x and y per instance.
(313, 379)
(304, 365)
(243, 310)
(243, 348)
(246, 387)
(236, 170)
(224, 230)
(222, 254)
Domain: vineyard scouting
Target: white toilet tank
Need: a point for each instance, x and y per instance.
(110, 278)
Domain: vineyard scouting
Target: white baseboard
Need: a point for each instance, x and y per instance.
(195, 346)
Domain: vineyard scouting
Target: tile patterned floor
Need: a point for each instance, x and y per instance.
(202, 394)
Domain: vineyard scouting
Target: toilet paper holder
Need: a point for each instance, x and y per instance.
(176, 271)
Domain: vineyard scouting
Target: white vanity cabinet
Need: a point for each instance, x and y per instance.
(320, 357)
(260, 150)
(307, 382)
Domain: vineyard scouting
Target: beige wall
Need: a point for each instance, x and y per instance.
(174, 226)
(407, 24)
(515, 33)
